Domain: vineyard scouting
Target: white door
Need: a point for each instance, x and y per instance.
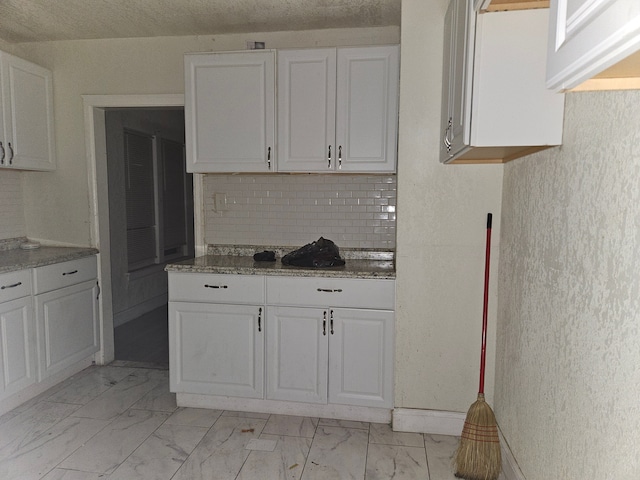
(361, 357)
(67, 326)
(306, 110)
(17, 346)
(29, 96)
(367, 108)
(230, 112)
(216, 349)
(297, 354)
(588, 36)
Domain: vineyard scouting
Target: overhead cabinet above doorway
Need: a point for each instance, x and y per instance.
(336, 110)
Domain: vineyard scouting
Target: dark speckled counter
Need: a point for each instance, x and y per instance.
(17, 259)
(239, 260)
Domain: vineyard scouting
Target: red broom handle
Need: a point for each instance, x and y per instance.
(483, 353)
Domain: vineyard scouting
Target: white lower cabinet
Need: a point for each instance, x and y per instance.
(303, 340)
(216, 334)
(361, 357)
(216, 349)
(330, 355)
(67, 316)
(67, 325)
(297, 354)
(49, 323)
(17, 333)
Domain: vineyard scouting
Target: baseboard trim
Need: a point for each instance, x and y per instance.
(140, 309)
(436, 422)
(35, 389)
(344, 412)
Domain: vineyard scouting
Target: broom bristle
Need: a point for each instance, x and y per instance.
(478, 456)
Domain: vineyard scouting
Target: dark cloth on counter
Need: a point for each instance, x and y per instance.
(322, 253)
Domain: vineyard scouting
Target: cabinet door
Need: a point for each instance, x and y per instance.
(297, 354)
(17, 341)
(216, 349)
(28, 104)
(588, 36)
(367, 108)
(456, 81)
(306, 110)
(67, 326)
(230, 112)
(361, 357)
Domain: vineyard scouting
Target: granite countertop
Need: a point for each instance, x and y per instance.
(239, 260)
(14, 258)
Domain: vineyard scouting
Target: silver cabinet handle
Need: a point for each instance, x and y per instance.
(330, 290)
(4, 153)
(260, 319)
(72, 272)
(11, 286)
(339, 157)
(324, 323)
(329, 157)
(269, 158)
(215, 286)
(11, 157)
(331, 322)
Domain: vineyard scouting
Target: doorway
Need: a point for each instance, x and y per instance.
(150, 224)
(95, 107)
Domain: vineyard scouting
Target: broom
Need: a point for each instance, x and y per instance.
(478, 456)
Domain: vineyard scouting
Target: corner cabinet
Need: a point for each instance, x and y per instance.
(588, 36)
(338, 109)
(26, 123)
(230, 111)
(496, 106)
(67, 317)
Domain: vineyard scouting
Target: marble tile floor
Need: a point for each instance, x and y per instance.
(122, 423)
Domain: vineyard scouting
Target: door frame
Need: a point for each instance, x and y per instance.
(96, 148)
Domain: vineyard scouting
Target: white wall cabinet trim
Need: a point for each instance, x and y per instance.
(588, 36)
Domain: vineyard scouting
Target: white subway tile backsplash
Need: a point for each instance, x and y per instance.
(355, 211)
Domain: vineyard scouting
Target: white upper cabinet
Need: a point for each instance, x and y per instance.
(230, 111)
(338, 109)
(26, 129)
(306, 110)
(496, 106)
(588, 36)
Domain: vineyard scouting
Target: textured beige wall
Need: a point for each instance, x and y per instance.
(57, 204)
(441, 236)
(567, 398)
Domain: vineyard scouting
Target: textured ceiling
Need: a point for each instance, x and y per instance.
(44, 20)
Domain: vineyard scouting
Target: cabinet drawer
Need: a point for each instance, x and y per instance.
(59, 275)
(212, 288)
(331, 292)
(15, 285)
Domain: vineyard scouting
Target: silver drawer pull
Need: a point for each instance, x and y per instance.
(11, 286)
(215, 286)
(70, 273)
(330, 290)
